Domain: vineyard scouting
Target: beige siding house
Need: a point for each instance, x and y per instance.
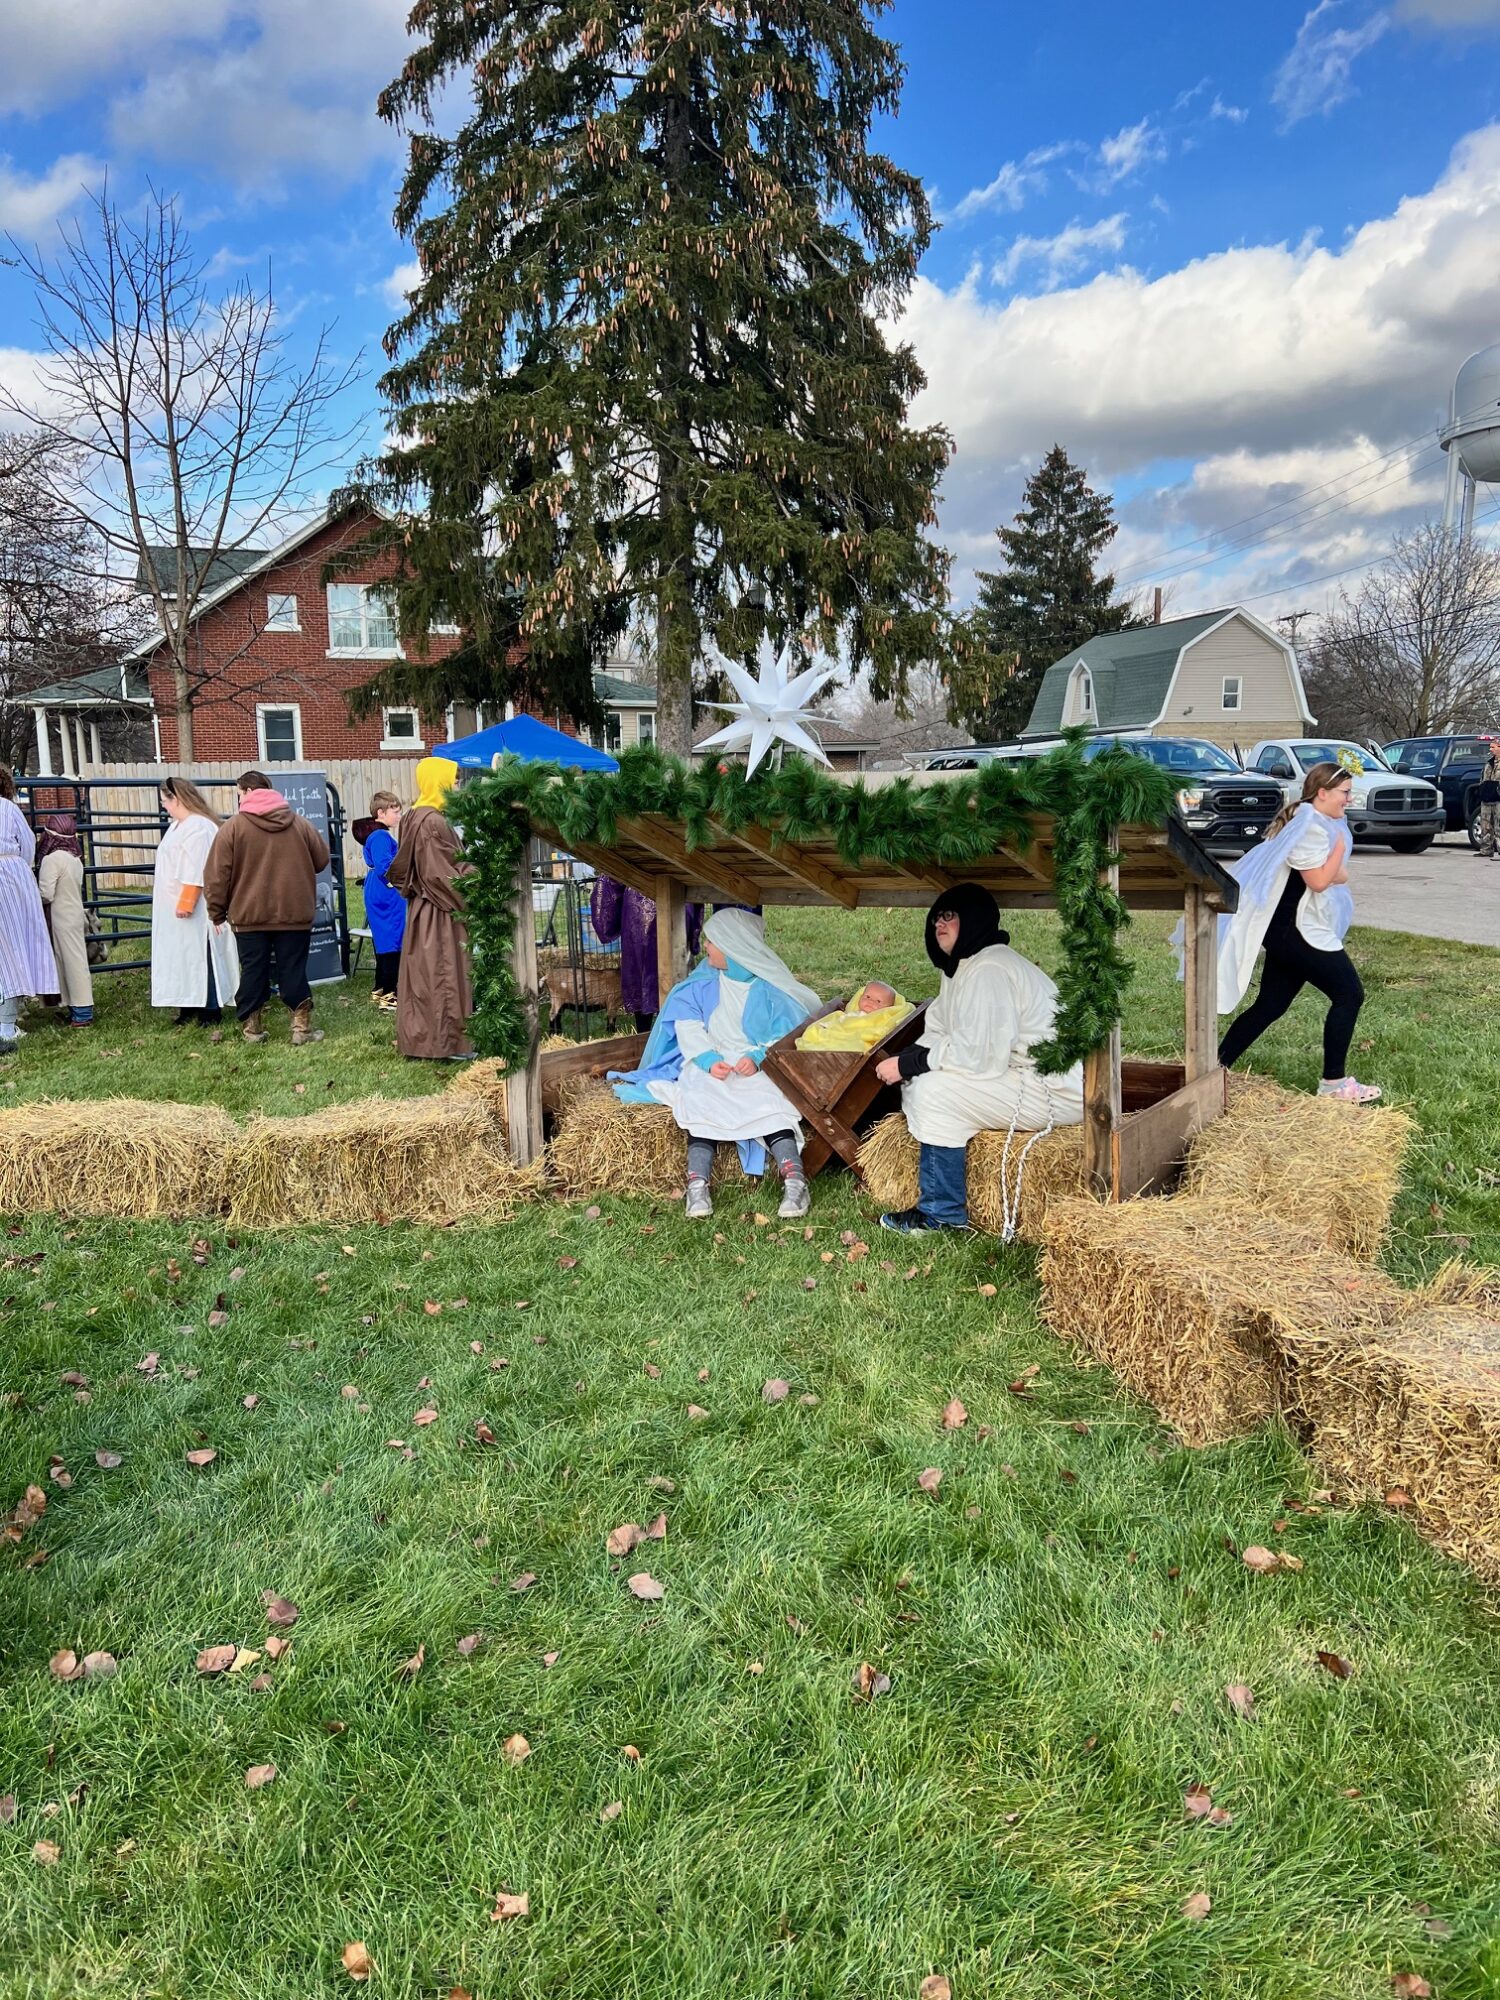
(1222, 676)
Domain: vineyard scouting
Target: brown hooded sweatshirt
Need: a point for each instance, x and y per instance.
(262, 871)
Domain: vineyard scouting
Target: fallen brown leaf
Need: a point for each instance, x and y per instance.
(1241, 1699)
(65, 1666)
(425, 1417)
(620, 1541)
(955, 1416)
(148, 1364)
(71, 1379)
(216, 1659)
(1264, 1562)
(930, 1479)
(107, 1460)
(470, 1643)
(1197, 1801)
(262, 1684)
(275, 1647)
(868, 1682)
(1335, 1664)
(412, 1667)
(645, 1586)
(483, 1432)
(249, 1402)
(656, 1530)
(507, 1906)
(1410, 1986)
(8, 1809)
(629, 1752)
(1196, 1908)
(650, 1369)
(550, 1659)
(205, 1456)
(279, 1610)
(524, 1581)
(260, 1775)
(29, 1509)
(243, 1658)
(775, 1390)
(660, 1485)
(611, 1811)
(356, 1960)
(935, 1987)
(1219, 1816)
(1397, 1497)
(45, 1853)
(696, 1412)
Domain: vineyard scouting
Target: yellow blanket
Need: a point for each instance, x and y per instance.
(850, 1029)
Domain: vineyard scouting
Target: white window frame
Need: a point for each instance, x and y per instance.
(265, 708)
(448, 626)
(412, 742)
(276, 622)
(1236, 684)
(364, 651)
(645, 726)
(1085, 693)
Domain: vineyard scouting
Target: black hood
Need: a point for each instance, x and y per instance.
(978, 925)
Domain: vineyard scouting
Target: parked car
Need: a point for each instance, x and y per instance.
(1220, 805)
(1401, 813)
(1455, 764)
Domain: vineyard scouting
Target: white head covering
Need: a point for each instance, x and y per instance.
(741, 936)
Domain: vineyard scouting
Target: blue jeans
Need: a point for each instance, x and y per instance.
(944, 1193)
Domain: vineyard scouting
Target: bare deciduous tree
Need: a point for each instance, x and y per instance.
(182, 431)
(1415, 651)
(57, 617)
(918, 722)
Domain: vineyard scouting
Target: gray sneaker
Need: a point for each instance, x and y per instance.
(698, 1206)
(796, 1198)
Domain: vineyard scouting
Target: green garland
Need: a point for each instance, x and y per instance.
(953, 824)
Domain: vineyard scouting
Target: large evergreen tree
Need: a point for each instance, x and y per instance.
(1044, 602)
(642, 370)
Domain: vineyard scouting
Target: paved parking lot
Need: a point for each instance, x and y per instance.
(1448, 892)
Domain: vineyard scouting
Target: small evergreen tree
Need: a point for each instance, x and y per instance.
(1046, 600)
(642, 370)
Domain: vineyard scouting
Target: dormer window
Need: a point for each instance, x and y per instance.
(1085, 693)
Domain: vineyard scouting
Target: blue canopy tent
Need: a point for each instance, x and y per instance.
(524, 736)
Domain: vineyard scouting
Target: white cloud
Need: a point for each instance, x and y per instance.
(1064, 254)
(405, 278)
(1131, 149)
(29, 204)
(1257, 351)
(1315, 74)
(1013, 184)
(1235, 113)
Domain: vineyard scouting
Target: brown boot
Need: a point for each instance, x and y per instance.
(302, 1028)
(251, 1029)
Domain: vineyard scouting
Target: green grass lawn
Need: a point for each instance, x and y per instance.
(1059, 1621)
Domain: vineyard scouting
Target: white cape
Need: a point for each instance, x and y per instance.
(979, 1033)
(1262, 876)
(180, 946)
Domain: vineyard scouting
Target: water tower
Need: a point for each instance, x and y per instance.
(1471, 437)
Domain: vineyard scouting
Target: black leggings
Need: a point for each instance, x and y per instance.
(1290, 964)
(387, 970)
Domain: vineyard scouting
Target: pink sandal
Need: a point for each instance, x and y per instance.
(1351, 1091)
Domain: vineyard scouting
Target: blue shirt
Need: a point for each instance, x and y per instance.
(385, 907)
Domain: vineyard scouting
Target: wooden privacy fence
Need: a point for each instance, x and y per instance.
(355, 780)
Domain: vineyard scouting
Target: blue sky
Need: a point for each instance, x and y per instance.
(1228, 257)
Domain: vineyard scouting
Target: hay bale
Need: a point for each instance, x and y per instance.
(1053, 1171)
(1412, 1403)
(602, 1146)
(1313, 1161)
(413, 1159)
(483, 1081)
(114, 1156)
(1193, 1308)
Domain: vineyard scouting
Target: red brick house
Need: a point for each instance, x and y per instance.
(277, 651)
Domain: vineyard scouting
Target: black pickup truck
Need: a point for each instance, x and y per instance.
(1227, 809)
(1454, 764)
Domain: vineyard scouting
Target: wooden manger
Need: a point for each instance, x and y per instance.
(1138, 1117)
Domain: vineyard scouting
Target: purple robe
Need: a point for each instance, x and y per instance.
(627, 915)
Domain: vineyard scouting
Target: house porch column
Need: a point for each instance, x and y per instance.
(40, 720)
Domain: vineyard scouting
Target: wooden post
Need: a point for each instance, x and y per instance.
(671, 935)
(1200, 931)
(1101, 1114)
(1101, 1101)
(523, 1081)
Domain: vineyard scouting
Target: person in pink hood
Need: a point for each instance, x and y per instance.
(262, 879)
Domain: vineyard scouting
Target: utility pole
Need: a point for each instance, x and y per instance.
(1294, 619)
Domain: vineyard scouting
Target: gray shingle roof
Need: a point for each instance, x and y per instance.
(216, 571)
(614, 687)
(1131, 672)
(90, 690)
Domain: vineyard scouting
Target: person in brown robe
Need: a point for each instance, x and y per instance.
(434, 998)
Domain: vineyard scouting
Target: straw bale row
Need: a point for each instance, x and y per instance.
(1052, 1171)
(602, 1146)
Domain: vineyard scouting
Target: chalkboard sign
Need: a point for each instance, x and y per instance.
(306, 792)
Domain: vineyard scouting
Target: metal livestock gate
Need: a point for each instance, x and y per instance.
(120, 839)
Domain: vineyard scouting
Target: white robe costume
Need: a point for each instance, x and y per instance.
(180, 945)
(979, 1033)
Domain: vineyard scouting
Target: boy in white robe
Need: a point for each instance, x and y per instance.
(971, 1070)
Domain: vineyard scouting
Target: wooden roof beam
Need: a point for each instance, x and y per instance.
(664, 841)
(792, 861)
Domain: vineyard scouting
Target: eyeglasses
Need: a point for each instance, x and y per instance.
(947, 917)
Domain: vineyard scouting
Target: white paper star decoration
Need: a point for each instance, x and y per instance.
(771, 709)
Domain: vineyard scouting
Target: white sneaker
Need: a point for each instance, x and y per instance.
(699, 1205)
(1348, 1090)
(796, 1197)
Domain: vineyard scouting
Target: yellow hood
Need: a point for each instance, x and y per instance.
(436, 777)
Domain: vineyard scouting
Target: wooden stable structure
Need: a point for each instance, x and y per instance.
(1138, 1117)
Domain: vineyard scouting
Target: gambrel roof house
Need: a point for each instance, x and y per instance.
(1221, 675)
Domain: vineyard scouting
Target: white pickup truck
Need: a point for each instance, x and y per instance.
(1402, 813)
